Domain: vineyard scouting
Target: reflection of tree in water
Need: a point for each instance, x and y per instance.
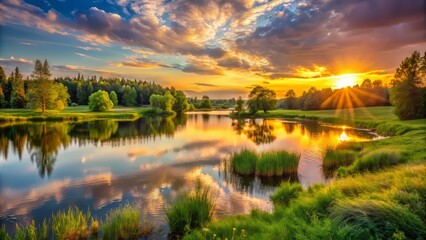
(259, 133)
(44, 141)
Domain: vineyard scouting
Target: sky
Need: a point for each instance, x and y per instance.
(220, 48)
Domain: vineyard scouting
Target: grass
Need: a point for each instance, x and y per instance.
(285, 193)
(266, 164)
(78, 113)
(124, 223)
(71, 224)
(190, 211)
(244, 162)
(120, 223)
(335, 158)
(383, 205)
(277, 163)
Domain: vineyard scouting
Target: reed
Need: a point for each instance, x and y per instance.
(190, 211)
(244, 162)
(277, 163)
(70, 224)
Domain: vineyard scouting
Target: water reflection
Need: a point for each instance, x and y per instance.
(45, 167)
(258, 132)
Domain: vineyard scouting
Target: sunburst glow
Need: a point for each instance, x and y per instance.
(346, 80)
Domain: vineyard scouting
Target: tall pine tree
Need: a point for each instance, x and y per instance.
(17, 98)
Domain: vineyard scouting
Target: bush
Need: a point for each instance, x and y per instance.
(285, 193)
(100, 101)
(244, 162)
(123, 223)
(190, 211)
(71, 224)
(376, 218)
(377, 160)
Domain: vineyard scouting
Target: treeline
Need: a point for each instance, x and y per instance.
(38, 91)
(368, 94)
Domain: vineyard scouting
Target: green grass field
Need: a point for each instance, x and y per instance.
(70, 114)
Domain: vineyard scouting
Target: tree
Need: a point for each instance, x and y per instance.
(367, 83)
(164, 102)
(113, 97)
(43, 93)
(129, 96)
(180, 104)
(239, 105)
(261, 98)
(205, 103)
(291, 99)
(17, 98)
(407, 95)
(100, 101)
(6, 86)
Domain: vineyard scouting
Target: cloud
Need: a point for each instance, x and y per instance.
(79, 69)
(206, 84)
(141, 63)
(15, 61)
(89, 48)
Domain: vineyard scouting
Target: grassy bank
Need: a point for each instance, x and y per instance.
(389, 204)
(78, 113)
(380, 191)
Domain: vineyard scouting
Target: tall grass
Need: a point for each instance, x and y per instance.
(377, 160)
(244, 162)
(277, 163)
(382, 219)
(271, 163)
(3, 233)
(71, 224)
(335, 158)
(190, 211)
(285, 193)
(124, 223)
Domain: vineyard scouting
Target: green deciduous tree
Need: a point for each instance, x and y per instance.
(261, 98)
(129, 96)
(164, 102)
(406, 94)
(18, 97)
(43, 93)
(291, 101)
(113, 97)
(100, 101)
(239, 106)
(181, 102)
(205, 103)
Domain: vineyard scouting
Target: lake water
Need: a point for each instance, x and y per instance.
(99, 165)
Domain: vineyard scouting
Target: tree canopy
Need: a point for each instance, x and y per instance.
(100, 101)
(261, 98)
(408, 93)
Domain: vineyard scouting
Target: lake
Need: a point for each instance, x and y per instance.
(99, 165)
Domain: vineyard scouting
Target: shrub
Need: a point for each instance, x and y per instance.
(123, 223)
(377, 160)
(71, 224)
(244, 162)
(376, 218)
(190, 211)
(100, 101)
(285, 193)
(277, 163)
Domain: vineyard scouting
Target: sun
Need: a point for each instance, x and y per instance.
(345, 80)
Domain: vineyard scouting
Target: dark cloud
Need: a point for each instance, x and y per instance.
(206, 84)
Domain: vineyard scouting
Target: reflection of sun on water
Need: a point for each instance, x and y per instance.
(343, 137)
